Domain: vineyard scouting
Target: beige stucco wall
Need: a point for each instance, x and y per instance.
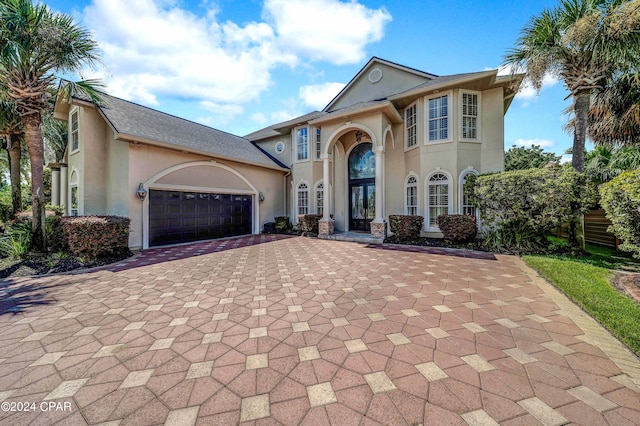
(147, 161)
(393, 81)
(88, 162)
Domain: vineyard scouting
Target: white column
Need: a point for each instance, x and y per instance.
(326, 209)
(55, 186)
(379, 153)
(64, 188)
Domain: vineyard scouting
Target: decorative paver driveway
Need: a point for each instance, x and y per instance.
(299, 330)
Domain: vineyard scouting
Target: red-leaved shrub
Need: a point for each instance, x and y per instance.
(97, 236)
(405, 227)
(308, 223)
(457, 227)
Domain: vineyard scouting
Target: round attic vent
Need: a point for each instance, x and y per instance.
(375, 75)
(280, 147)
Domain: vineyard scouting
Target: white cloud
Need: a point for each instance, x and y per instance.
(259, 118)
(328, 30)
(527, 91)
(543, 143)
(153, 48)
(223, 113)
(566, 159)
(319, 95)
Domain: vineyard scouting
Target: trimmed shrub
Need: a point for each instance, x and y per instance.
(620, 199)
(97, 236)
(308, 223)
(282, 223)
(405, 227)
(457, 227)
(56, 237)
(520, 208)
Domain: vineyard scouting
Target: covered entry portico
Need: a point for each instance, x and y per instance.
(357, 151)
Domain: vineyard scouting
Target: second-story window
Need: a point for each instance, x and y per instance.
(302, 144)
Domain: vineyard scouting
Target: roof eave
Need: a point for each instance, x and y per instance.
(361, 72)
(443, 85)
(387, 107)
(133, 138)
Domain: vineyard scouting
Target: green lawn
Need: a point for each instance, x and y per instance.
(587, 281)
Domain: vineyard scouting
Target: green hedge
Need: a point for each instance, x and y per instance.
(520, 208)
(97, 236)
(620, 199)
(405, 227)
(457, 227)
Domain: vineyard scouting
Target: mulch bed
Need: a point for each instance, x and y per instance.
(51, 264)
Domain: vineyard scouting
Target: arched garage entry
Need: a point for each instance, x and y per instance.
(198, 201)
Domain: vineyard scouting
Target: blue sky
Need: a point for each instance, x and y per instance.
(242, 65)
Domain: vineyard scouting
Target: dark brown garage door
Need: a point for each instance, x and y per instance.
(178, 217)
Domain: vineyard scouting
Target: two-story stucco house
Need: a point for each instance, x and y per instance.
(395, 140)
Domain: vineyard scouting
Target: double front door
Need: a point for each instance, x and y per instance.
(362, 204)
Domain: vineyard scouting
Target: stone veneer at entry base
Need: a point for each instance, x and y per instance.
(378, 229)
(326, 227)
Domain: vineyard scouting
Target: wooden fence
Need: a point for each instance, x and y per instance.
(595, 229)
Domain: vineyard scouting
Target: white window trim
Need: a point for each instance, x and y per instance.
(296, 205)
(406, 186)
(450, 117)
(74, 182)
(317, 153)
(295, 144)
(416, 125)
(466, 172)
(479, 117)
(426, 201)
(73, 111)
(315, 199)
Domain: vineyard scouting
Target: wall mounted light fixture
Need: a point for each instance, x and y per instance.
(141, 192)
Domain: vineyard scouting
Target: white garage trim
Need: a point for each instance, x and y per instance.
(151, 184)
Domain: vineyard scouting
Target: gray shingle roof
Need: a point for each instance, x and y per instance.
(271, 131)
(135, 120)
(442, 80)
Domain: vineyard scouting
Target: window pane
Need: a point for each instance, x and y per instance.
(439, 118)
(469, 116)
(302, 144)
(410, 123)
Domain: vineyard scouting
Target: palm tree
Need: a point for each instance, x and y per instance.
(36, 43)
(55, 134)
(614, 118)
(11, 132)
(583, 42)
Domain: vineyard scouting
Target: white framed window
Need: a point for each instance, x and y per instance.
(302, 144)
(411, 196)
(438, 198)
(303, 198)
(470, 116)
(75, 141)
(73, 210)
(411, 125)
(320, 198)
(465, 203)
(438, 118)
(318, 144)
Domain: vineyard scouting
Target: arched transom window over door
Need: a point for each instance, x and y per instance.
(438, 197)
(362, 187)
